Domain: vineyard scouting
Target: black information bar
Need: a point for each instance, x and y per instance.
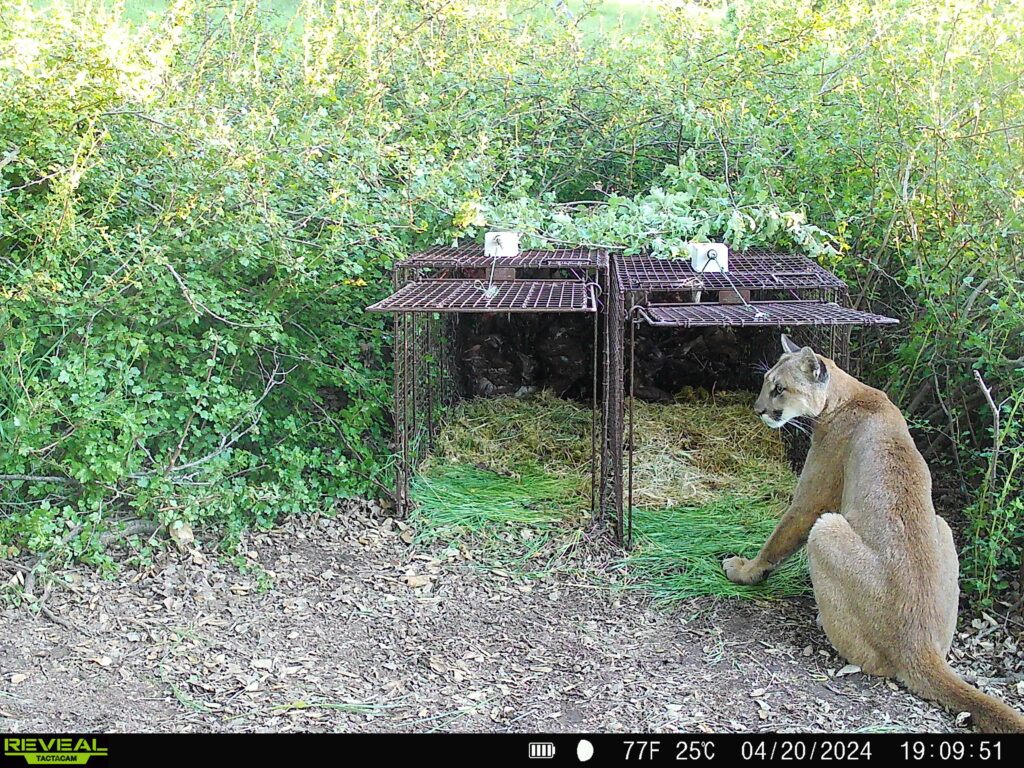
(295, 750)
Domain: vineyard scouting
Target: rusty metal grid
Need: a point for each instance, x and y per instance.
(645, 273)
(471, 296)
(783, 313)
(426, 352)
(424, 388)
(472, 257)
(753, 269)
(832, 341)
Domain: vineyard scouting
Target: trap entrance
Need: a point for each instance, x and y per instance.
(441, 292)
(511, 474)
(434, 292)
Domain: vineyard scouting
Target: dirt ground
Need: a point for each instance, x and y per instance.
(339, 624)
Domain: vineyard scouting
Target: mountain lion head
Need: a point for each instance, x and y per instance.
(795, 387)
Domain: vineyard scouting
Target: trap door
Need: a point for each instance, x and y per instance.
(447, 295)
(758, 313)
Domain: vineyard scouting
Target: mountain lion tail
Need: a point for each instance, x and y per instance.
(932, 678)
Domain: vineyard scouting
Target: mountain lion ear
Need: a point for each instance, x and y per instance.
(813, 365)
(788, 347)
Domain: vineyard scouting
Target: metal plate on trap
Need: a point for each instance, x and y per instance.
(759, 313)
(504, 296)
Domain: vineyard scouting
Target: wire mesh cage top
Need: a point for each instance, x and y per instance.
(473, 256)
(754, 268)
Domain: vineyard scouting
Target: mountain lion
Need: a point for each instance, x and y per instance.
(883, 564)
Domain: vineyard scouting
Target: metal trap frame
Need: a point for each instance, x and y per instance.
(763, 288)
(433, 290)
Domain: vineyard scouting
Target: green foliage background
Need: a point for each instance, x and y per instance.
(194, 211)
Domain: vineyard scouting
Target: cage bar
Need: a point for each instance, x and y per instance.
(612, 406)
(813, 303)
(427, 315)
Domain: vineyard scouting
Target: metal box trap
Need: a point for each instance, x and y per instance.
(623, 301)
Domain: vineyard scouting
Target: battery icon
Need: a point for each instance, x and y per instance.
(541, 750)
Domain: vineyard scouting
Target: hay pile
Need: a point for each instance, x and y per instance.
(709, 481)
(704, 445)
(514, 435)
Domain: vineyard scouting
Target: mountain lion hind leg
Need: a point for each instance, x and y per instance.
(849, 590)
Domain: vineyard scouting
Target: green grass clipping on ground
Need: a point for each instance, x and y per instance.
(710, 481)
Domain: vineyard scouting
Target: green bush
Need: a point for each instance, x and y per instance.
(194, 212)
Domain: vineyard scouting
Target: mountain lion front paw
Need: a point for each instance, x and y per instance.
(742, 571)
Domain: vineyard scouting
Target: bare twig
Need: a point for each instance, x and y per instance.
(39, 479)
(140, 115)
(201, 308)
(952, 428)
(9, 158)
(191, 416)
(275, 379)
(34, 182)
(145, 528)
(61, 621)
(996, 437)
(975, 294)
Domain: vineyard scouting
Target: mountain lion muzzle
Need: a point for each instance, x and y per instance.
(883, 564)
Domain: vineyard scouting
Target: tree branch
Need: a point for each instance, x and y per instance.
(996, 436)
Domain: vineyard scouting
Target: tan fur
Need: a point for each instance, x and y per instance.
(883, 564)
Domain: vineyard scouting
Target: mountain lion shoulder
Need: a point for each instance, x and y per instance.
(883, 564)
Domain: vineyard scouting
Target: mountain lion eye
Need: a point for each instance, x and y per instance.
(779, 389)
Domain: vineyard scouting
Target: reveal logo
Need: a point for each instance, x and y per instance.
(53, 751)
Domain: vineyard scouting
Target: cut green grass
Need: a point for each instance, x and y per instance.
(457, 499)
(519, 521)
(679, 550)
